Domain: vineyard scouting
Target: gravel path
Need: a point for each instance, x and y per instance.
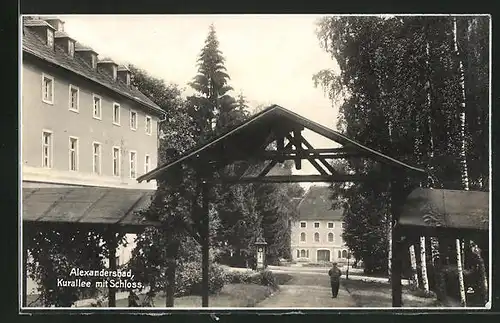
(306, 290)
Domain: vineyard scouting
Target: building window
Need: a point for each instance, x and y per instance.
(316, 237)
(50, 38)
(133, 120)
(339, 254)
(344, 253)
(73, 153)
(330, 225)
(302, 253)
(116, 161)
(133, 164)
(303, 224)
(302, 236)
(74, 98)
(147, 164)
(148, 125)
(330, 237)
(47, 149)
(316, 224)
(97, 112)
(116, 114)
(71, 48)
(47, 89)
(96, 161)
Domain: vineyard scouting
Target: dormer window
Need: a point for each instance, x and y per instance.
(114, 73)
(94, 61)
(50, 37)
(71, 48)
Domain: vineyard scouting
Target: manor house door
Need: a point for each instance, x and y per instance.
(323, 255)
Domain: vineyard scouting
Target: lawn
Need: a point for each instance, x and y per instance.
(231, 295)
(374, 294)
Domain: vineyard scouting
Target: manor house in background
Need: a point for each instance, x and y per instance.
(316, 236)
(83, 125)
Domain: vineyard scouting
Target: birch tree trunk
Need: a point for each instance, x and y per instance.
(463, 156)
(389, 251)
(434, 243)
(413, 260)
(460, 273)
(482, 271)
(389, 221)
(423, 264)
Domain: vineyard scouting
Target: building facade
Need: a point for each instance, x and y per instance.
(83, 123)
(316, 236)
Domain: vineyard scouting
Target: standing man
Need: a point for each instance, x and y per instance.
(334, 274)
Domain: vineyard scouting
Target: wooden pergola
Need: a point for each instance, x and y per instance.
(448, 215)
(85, 208)
(251, 142)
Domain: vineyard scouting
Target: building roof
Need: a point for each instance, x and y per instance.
(86, 205)
(317, 205)
(106, 60)
(446, 209)
(62, 34)
(255, 133)
(37, 23)
(83, 47)
(33, 45)
(123, 68)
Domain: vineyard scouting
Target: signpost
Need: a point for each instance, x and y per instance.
(261, 253)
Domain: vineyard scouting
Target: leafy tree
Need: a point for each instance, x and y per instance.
(54, 253)
(400, 87)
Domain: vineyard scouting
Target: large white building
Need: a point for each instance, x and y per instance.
(83, 125)
(316, 236)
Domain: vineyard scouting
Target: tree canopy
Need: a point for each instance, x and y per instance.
(399, 88)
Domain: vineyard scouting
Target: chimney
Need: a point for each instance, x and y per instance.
(108, 66)
(87, 54)
(56, 23)
(65, 42)
(42, 29)
(124, 74)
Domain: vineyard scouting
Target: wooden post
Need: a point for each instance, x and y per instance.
(172, 248)
(205, 226)
(112, 266)
(397, 252)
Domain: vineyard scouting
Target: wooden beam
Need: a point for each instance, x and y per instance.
(280, 145)
(268, 168)
(294, 179)
(297, 138)
(305, 154)
(322, 160)
(318, 167)
(112, 244)
(397, 199)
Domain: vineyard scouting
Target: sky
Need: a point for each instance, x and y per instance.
(271, 59)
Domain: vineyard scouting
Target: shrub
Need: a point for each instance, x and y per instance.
(423, 293)
(268, 279)
(239, 277)
(188, 279)
(282, 278)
